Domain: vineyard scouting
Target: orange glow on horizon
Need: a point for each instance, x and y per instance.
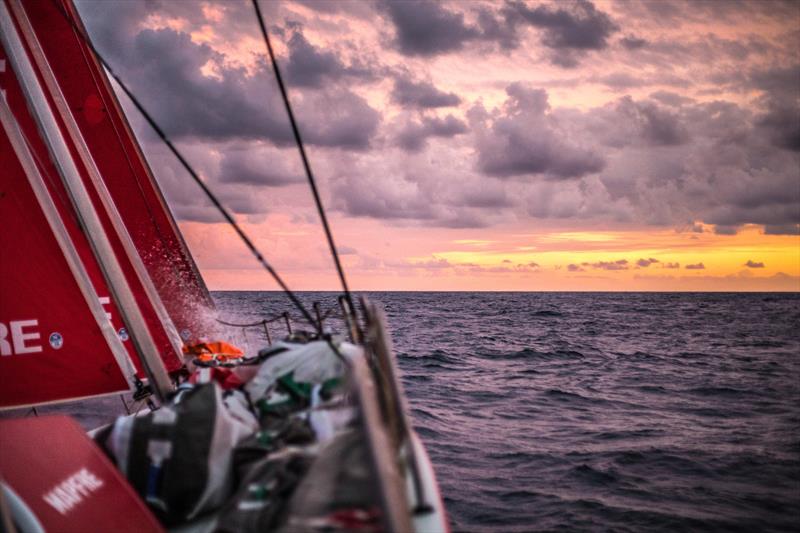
(517, 261)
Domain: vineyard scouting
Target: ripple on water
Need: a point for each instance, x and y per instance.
(601, 411)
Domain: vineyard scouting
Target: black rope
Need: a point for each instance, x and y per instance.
(253, 324)
(210, 195)
(306, 164)
(274, 318)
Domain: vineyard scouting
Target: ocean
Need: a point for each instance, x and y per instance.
(596, 411)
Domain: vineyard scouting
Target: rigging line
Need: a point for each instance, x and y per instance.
(209, 194)
(306, 164)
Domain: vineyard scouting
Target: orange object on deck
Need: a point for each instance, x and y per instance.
(219, 351)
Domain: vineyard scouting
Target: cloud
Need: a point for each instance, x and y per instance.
(644, 263)
(422, 95)
(308, 66)
(188, 103)
(696, 266)
(670, 265)
(753, 264)
(670, 98)
(491, 197)
(721, 229)
(575, 268)
(494, 27)
(714, 145)
(234, 103)
(620, 264)
(435, 264)
(778, 82)
(783, 229)
(523, 138)
(255, 165)
(631, 42)
(639, 123)
(701, 161)
(782, 123)
(413, 135)
(338, 118)
(567, 28)
(426, 28)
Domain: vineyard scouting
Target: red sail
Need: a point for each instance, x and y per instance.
(55, 340)
(162, 336)
(127, 177)
(54, 476)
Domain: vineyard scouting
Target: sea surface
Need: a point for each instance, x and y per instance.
(597, 411)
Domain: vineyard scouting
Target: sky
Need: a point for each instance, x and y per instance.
(469, 145)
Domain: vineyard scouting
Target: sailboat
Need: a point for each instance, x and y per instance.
(99, 295)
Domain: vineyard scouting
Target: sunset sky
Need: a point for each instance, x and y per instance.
(631, 145)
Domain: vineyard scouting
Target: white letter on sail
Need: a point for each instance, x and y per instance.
(19, 337)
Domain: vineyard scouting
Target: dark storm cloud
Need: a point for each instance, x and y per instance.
(494, 28)
(114, 40)
(782, 122)
(338, 118)
(708, 162)
(247, 166)
(309, 66)
(661, 127)
(777, 81)
(696, 266)
(164, 69)
(577, 25)
(654, 125)
(753, 264)
(168, 78)
(426, 28)
(644, 263)
(663, 160)
(413, 136)
(569, 29)
(523, 138)
(422, 94)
